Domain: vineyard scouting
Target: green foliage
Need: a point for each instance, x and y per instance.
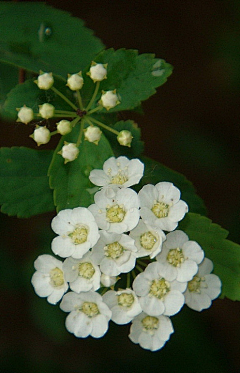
(24, 189)
(51, 40)
(8, 79)
(70, 181)
(134, 76)
(225, 254)
(155, 172)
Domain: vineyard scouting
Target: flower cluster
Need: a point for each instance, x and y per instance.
(124, 259)
(79, 113)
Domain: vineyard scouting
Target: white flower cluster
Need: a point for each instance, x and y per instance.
(122, 233)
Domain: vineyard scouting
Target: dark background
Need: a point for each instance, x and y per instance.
(190, 125)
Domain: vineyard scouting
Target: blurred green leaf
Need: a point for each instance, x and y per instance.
(155, 172)
(36, 37)
(70, 181)
(134, 76)
(24, 188)
(8, 79)
(225, 254)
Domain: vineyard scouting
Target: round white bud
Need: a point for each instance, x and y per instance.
(98, 72)
(125, 138)
(108, 280)
(75, 81)
(41, 135)
(46, 111)
(109, 99)
(64, 127)
(25, 115)
(92, 134)
(45, 81)
(69, 152)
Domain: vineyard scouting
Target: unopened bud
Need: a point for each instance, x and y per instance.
(41, 135)
(98, 72)
(92, 134)
(64, 127)
(69, 152)
(125, 138)
(109, 99)
(46, 111)
(25, 115)
(75, 81)
(108, 280)
(45, 81)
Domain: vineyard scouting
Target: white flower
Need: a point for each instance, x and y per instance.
(45, 81)
(64, 127)
(180, 256)
(151, 332)
(108, 281)
(92, 134)
(121, 172)
(41, 135)
(125, 138)
(158, 295)
(82, 274)
(75, 81)
(46, 111)
(89, 315)
(148, 240)
(25, 115)
(115, 253)
(48, 281)
(123, 304)
(116, 213)
(109, 99)
(77, 231)
(203, 288)
(69, 152)
(98, 72)
(161, 205)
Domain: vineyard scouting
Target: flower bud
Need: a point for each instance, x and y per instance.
(69, 152)
(41, 135)
(64, 127)
(109, 99)
(45, 81)
(108, 280)
(75, 81)
(25, 114)
(98, 72)
(125, 138)
(93, 134)
(46, 111)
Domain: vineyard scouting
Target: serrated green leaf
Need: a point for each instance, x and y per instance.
(70, 181)
(36, 37)
(225, 254)
(155, 172)
(24, 188)
(134, 76)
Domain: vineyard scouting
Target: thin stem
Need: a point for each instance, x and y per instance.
(138, 268)
(79, 140)
(75, 121)
(142, 263)
(63, 97)
(104, 126)
(93, 96)
(133, 273)
(128, 280)
(54, 133)
(73, 113)
(95, 109)
(79, 99)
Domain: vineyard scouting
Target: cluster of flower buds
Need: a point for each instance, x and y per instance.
(92, 133)
(125, 238)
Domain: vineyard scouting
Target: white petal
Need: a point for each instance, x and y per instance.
(99, 326)
(173, 302)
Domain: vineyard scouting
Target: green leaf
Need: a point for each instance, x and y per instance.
(8, 79)
(24, 188)
(134, 76)
(36, 37)
(225, 254)
(70, 181)
(155, 172)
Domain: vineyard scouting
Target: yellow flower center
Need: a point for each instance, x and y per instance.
(159, 288)
(175, 257)
(86, 270)
(56, 277)
(150, 323)
(120, 178)
(194, 285)
(90, 309)
(115, 214)
(160, 209)
(79, 235)
(148, 240)
(114, 250)
(125, 300)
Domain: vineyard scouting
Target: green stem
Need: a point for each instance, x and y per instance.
(63, 97)
(54, 133)
(79, 140)
(104, 126)
(93, 96)
(133, 273)
(74, 122)
(138, 268)
(128, 280)
(79, 99)
(95, 109)
(142, 263)
(72, 113)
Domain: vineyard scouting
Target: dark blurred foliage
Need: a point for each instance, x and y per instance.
(190, 125)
